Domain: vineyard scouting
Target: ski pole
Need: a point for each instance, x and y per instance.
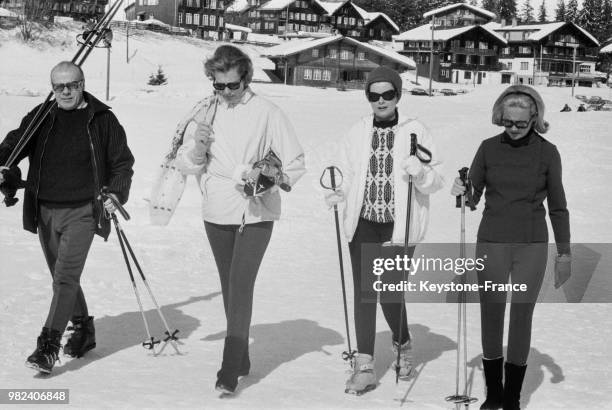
(413, 151)
(350, 353)
(123, 241)
(90, 40)
(461, 306)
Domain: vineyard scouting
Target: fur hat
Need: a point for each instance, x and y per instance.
(386, 75)
(540, 124)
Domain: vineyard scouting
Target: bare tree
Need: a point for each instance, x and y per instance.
(33, 14)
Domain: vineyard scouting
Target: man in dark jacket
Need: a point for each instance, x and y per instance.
(79, 150)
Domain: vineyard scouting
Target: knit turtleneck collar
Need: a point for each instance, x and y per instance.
(386, 123)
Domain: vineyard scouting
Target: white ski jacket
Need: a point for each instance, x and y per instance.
(243, 134)
(354, 157)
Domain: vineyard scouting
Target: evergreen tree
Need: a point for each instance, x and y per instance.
(542, 13)
(507, 9)
(606, 19)
(473, 3)
(490, 5)
(571, 11)
(159, 78)
(527, 12)
(590, 17)
(560, 11)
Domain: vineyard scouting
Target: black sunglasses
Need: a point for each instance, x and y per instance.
(231, 86)
(387, 96)
(521, 125)
(73, 85)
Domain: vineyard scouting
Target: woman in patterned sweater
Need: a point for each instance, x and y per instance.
(376, 163)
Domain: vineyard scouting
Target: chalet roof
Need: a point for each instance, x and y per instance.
(330, 6)
(368, 16)
(450, 7)
(423, 33)
(539, 31)
(274, 5)
(7, 13)
(606, 49)
(234, 27)
(238, 6)
(297, 46)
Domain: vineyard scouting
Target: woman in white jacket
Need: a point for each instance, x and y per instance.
(376, 163)
(235, 130)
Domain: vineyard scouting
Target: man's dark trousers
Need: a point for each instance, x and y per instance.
(66, 234)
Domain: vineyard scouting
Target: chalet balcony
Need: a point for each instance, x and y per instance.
(473, 51)
(477, 67)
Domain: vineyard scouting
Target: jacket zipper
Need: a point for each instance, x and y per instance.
(95, 172)
(42, 154)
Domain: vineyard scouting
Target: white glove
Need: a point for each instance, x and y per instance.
(334, 197)
(203, 138)
(109, 205)
(458, 188)
(412, 166)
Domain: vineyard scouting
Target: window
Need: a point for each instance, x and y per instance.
(205, 19)
(456, 43)
(188, 19)
(467, 75)
(213, 20)
(180, 18)
(524, 50)
(189, 3)
(333, 53)
(338, 20)
(371, 32)
(469, 44)
(483, 45)
(307, 74)
(506, 51)
(352, 21)
(220, 21)
(315, 52)
(585, 68)
(344, 55)
(510, 65)
(359, 22)
(213, 4)
(196, 19)
(361, 55)
(524, 66)
(530, 80)
(317, 75)
(326, 75)
(291, 16)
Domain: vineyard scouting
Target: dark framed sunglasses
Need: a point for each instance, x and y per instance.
(521, 125)
(73, 85)
(387, 96)
(232, 86)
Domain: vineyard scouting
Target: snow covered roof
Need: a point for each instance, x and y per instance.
(273, 5)
(374, 15)
(234, 27)
(606, 49)
(152, 21)
(450, 7)
(7, 13)
(293, 47)
(238, 6)
(330, 6)
(423, 33)
(539, 31)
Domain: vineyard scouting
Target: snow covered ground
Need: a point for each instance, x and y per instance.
(297, 332)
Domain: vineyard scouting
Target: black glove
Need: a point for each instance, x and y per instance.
(12, 182)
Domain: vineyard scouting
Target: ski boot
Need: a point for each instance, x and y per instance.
(46, 354)
(233, 355)
(363, 378)
(513, 383)
(405, 362)
(493, 372)
(83, 337)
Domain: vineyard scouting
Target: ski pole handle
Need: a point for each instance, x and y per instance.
(333, 170)
(413, 143)
(463, 177)
(117, 204)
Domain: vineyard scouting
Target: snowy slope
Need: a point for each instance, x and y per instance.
(297, 331)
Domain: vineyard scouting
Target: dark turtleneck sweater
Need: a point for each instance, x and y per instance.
(518, 175)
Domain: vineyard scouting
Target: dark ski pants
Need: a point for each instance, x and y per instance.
(238, 257)
(66, 235)
(522, 263)
(368, 232)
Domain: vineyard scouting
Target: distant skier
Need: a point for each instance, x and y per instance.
(375, 160)
(243, 150)
(519, 169)
(79, 149)
(566, 108)
(581, 108)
